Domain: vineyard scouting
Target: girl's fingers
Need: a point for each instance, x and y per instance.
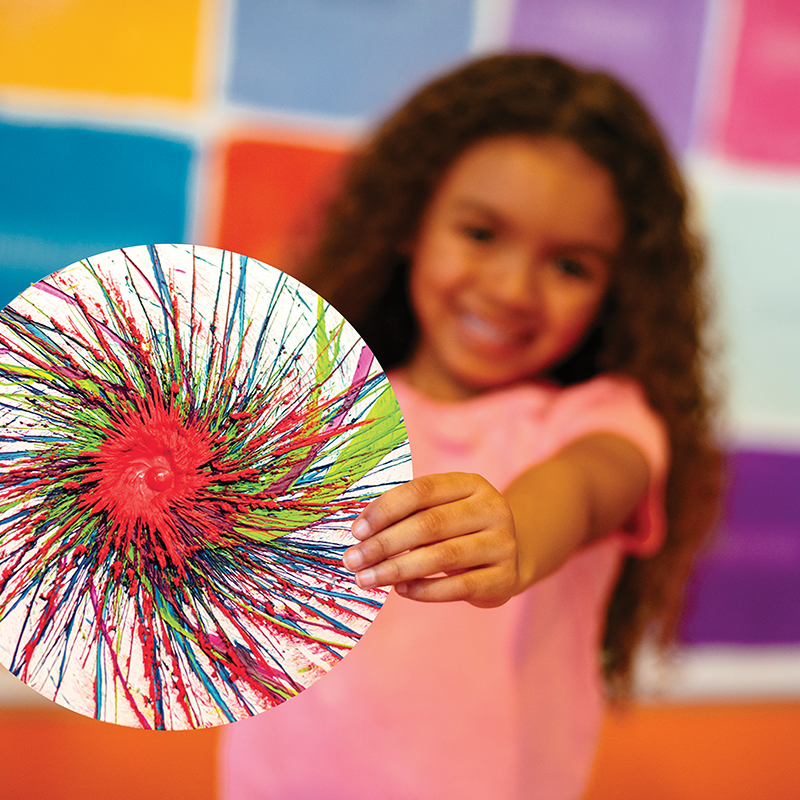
(486, 588)
(451, 555)
(438, 538)
(435, 524)
(408, 498)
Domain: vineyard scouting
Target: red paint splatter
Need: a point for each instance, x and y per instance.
(151, 462)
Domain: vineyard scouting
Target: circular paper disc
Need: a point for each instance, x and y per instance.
(185, 436)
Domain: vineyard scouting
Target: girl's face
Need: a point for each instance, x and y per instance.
(510, 264)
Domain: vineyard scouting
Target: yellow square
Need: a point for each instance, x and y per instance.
(143, 48)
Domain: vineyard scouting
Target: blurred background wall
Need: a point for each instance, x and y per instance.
(224, 122)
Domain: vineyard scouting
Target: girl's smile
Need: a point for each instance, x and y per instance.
(510, 264)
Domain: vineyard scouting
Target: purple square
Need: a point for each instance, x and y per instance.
(652, 45)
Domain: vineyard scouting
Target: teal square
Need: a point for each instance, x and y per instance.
(69, 192)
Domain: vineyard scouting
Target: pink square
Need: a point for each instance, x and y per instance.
(763, 121)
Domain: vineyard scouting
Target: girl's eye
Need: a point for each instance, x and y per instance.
(478, 233)
(571, 267)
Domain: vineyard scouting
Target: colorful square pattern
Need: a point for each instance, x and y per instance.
(753, 228)
(69, 189)
(747, 589)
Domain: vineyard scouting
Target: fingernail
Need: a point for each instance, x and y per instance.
(360, 528)
(401, 588)
(353, 559)
(366, 578)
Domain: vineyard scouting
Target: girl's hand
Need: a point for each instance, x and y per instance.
(438, 538)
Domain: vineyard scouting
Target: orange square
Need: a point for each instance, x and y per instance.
(273, 198)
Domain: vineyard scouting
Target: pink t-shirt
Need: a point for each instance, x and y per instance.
(448, 700)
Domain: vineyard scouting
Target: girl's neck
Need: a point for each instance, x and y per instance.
(443, 391)
(432, 383)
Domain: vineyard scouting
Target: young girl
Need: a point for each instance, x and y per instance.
(513, 245)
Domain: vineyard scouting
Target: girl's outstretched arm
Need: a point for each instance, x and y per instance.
(453, 536)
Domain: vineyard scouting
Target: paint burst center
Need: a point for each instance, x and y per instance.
(159, 478)
(151, 464)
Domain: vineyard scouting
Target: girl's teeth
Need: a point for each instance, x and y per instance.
(487, 329)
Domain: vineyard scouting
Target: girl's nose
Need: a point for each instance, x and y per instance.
(516, 282)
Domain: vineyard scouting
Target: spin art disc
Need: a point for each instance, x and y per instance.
(185, 436)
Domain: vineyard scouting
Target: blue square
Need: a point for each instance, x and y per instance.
(67, 193)
(344, 58)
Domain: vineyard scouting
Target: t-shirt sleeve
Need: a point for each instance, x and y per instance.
(615, 404)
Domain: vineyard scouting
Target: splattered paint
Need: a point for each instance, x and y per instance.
(185, 436)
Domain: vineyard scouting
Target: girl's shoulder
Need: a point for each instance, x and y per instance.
(611, 403)
(608, 396)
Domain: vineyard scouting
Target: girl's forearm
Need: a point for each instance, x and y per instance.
(581, 494)
(551, 519)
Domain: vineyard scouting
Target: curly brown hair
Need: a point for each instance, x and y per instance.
(649, 328)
